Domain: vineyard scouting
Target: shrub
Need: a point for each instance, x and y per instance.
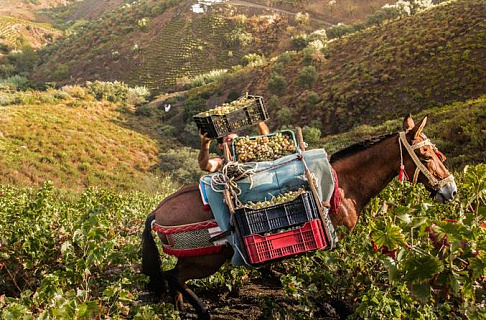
(112, 91)
(277, 84)
(318, 35)
(286, 57)
(302, 19)
(182, 164)
(137, 96)
(284, 116)
(299, 41)
(311, 134)
(339, 30)
(144, 111)
(273, 102)
(311, 100)
(239, 36)
(75, 91)
(307, 77)
(206, 78)
(61, 72)
(14, 83)
(193, 106)
(253, 60)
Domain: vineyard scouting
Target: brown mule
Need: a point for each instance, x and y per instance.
(363, 170)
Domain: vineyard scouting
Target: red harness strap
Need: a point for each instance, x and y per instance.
(185, 227)
(336, 196)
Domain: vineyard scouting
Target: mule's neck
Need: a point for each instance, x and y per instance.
(364, 174)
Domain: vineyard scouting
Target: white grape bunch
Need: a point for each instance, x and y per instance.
(264, 148)
(281, 198)
(226, 108)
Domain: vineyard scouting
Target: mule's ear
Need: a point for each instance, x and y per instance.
(408, 123)
(420, 128)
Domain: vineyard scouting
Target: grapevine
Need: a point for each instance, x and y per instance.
(264, 148)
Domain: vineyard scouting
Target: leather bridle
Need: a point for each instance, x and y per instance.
(434, 182)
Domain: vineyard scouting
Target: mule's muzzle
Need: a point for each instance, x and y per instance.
(447, 193)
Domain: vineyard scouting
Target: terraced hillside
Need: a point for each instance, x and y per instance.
(187, 47)
(433, 58)
(155, 43)
(16, 32)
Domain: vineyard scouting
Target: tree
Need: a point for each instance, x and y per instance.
(277, 84)
(307, 77)
(284, 116)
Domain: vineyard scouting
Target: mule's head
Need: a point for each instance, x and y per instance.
(424, 162)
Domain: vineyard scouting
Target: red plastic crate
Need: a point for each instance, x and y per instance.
(264, 248)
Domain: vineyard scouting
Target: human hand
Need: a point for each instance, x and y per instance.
(204, 138)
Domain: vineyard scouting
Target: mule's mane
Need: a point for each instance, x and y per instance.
(358, 147)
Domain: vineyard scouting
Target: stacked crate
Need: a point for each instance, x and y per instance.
(273, 231)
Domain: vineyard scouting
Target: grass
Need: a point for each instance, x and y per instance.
(78, 143)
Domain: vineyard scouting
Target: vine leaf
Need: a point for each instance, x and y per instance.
(478, 266)
(422, 268)
(389, 236)
(421, 291)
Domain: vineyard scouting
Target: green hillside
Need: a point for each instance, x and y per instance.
(429, 59)
(75, 141)
(458, 130)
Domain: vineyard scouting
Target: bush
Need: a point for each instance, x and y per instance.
(14, 83)
(311, 134)
(300, 41)
(286, 57)
(112, 91)
(138, 95)
(273, 103)
(284, 116)
(75, 91)
(277, 84)
(239, 37)
(253, 60)
(61, 72)
(311, 100)
(182, 164)
(307, 77)
(193, 106)
(206, 78)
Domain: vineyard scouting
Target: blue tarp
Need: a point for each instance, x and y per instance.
(271, 178)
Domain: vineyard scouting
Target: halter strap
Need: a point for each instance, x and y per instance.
(437, 184)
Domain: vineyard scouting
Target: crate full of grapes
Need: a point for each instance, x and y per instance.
(264, 148)
(285, 210)
(230, 117)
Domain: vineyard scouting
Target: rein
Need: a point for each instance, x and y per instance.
(436, 184)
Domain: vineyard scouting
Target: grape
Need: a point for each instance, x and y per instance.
(281, 198)
(226, 108)
(264, 148)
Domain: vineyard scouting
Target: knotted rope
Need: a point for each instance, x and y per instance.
(232, 172)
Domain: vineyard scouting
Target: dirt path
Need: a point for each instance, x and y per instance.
(257, 300)
(259, 6)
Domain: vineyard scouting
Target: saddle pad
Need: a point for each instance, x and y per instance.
(270, 179)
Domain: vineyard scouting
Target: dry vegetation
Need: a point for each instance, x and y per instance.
(75, 143)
